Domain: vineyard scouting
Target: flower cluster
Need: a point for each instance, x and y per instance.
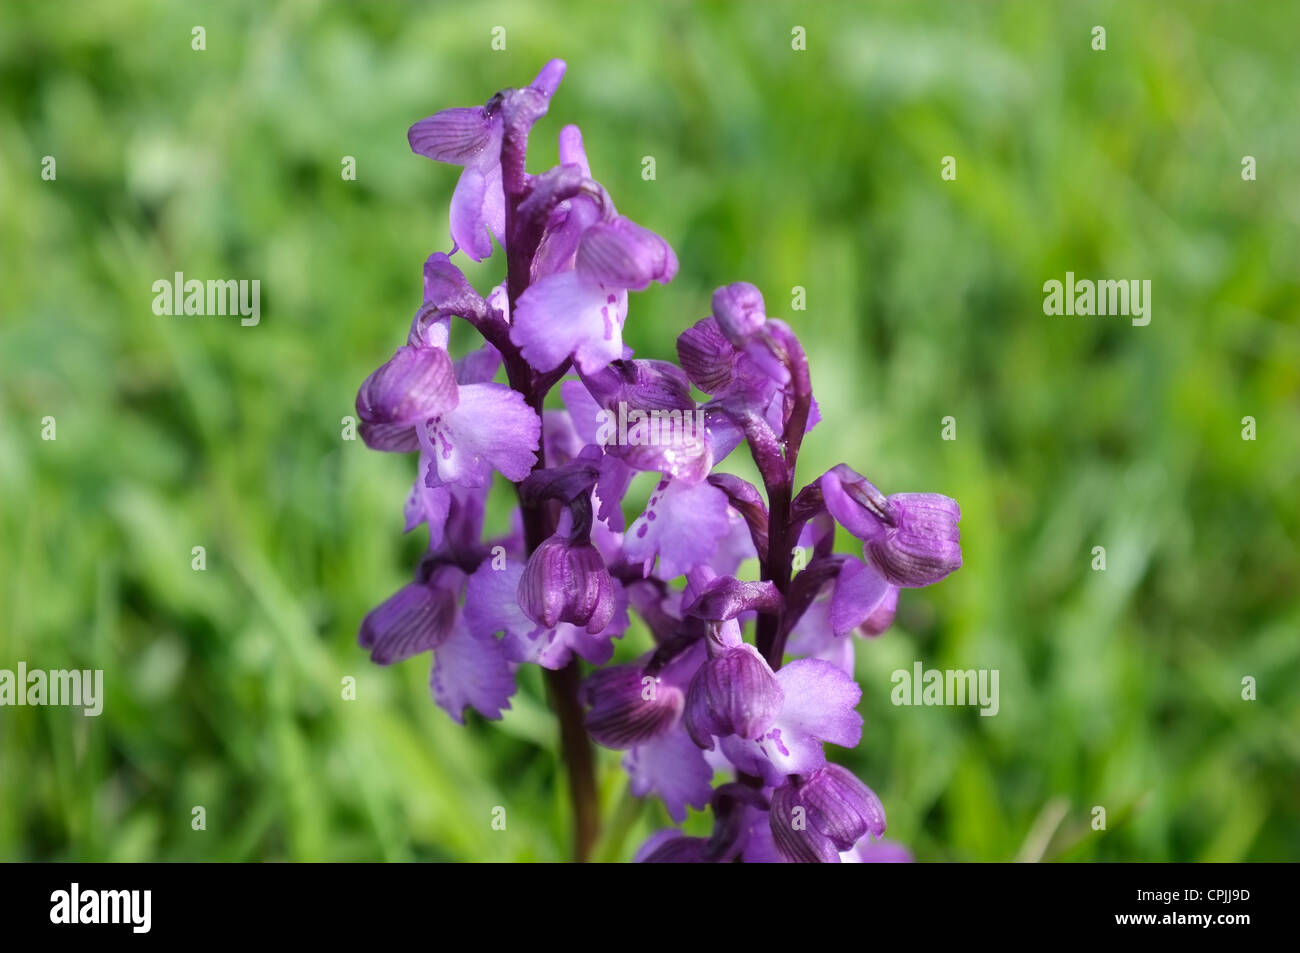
(562, 585)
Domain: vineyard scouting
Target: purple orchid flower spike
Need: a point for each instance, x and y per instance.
(747, 679)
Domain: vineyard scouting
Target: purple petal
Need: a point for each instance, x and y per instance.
(820, 702)
(883, 616)
(478, 211)
(491, 428)
(490, 605)
(841, 806)
(682, 525)
(629, 707)
(673, 847)
(793, 834)
(868, 851)
(548, 78)
(416, 618)
(819, 706)
(856, 505)
(564, 228)
(706, 356)
(463, 136)
(471, 671)
(813, 637)
(922, 543)
(583, 409)
(622, 254)
(572, 151)
(428, 504)
(563, 316)
(859, 591)
(733, 694)
(672, 767)
(415, 383)
(447, 289)
(566, 581)
(478, 366)
(739, 311)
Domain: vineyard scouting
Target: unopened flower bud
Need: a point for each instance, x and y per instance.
(566, 581)
(734, 693)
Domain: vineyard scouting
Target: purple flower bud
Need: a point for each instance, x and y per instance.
(628, 706)
(912, 538)
(921, 544)
(566, 581)
(829, 811)
(738, 309)
(622, 254)
(734, 693)
(415, 384)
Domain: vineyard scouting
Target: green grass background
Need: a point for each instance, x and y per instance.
(817, 169)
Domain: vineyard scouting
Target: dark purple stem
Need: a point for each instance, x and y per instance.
(522, 237)
(778, 470)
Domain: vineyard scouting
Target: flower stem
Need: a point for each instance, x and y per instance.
(579, 758)
(562, 684)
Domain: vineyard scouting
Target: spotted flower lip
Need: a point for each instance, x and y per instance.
(816, 817)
